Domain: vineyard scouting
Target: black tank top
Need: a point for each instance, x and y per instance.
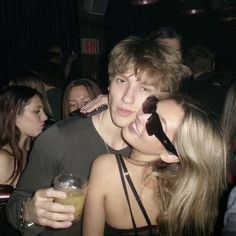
(149, 230)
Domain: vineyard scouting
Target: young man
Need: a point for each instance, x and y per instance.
(137, 68)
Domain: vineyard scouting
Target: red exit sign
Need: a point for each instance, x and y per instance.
(90, 46)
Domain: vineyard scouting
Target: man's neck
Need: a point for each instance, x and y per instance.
(109, 132)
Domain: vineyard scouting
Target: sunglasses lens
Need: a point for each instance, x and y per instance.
(149, 128)
(150, 105)
(154, 124)
(154, 127)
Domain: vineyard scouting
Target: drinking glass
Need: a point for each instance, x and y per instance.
(75, 187)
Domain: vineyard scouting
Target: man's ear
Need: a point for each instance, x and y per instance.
(108, 88)
(169, 158)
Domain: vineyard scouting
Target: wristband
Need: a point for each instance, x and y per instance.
(23, 223)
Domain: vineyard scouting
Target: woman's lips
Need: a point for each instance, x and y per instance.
(42, 126)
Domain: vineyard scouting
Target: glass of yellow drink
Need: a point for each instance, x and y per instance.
(75, 187)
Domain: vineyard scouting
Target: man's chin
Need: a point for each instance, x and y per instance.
(121, 123)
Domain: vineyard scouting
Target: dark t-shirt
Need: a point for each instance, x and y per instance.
(69, 146)
(208, 92)
(55, 99)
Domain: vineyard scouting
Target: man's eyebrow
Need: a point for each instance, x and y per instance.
(124, 75)
(147, 83)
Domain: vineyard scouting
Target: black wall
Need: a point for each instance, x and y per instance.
(29, 27)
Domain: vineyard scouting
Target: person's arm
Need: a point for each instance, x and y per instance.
(72, 57)
(230, 215)
(36, 180)
(95, 103)
(94, 209)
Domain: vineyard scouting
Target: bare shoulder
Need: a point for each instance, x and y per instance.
(104, 165)
(6, 166)
(5, 158)
(104, 161)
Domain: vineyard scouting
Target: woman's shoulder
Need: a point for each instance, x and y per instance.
(6, 166)
(104, 165)
(5, 155)
(103, 172)
(105, 160)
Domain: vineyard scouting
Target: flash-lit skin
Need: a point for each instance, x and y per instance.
(136, 134)
(31, 122)
(78, 97)
(126, 96)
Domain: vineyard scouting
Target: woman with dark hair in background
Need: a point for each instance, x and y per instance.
(21, 118)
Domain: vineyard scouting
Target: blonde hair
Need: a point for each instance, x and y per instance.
(188, 193)
(155, 64)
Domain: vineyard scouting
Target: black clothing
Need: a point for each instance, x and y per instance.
(5, 228)
(207, 91)
(55, 99)
(149, 230)
(141, 231)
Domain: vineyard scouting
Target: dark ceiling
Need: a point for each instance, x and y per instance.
(28, 27)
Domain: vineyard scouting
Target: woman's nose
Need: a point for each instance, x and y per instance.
(44, 117)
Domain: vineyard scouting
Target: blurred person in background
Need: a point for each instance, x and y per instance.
(203, 86)
(53, 78)
(167, 36)
(78, 93)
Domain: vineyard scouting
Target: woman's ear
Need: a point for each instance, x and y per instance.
(169, 158)
(17, 120)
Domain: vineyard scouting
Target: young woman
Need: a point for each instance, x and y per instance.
(21, 118)
(30, 78)
(77, 94)
(172, 182)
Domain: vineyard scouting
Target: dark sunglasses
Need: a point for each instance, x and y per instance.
(154, 126)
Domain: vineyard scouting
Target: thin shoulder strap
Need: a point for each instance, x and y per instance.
(126, 173)
(118, 158)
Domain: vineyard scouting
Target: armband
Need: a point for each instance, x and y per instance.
(23, 223)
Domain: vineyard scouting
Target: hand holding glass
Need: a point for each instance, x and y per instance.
(75, 187)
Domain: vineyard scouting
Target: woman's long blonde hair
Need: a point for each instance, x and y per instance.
(188, 194)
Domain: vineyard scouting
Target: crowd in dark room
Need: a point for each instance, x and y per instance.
(28, 29)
